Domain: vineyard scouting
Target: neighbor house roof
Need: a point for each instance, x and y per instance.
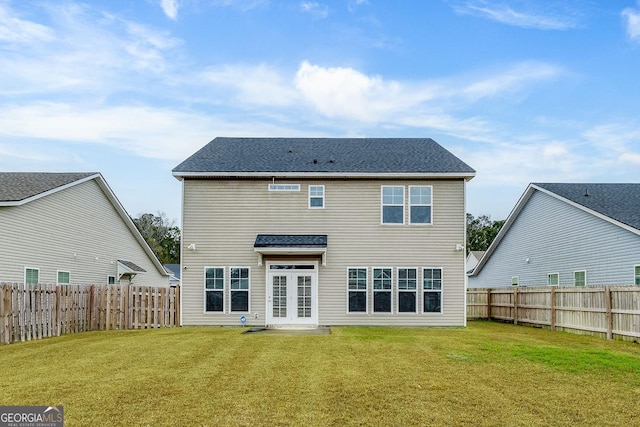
(323, 156)
(20, 187)
(618, 204)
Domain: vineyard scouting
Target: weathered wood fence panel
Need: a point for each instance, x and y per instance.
(610, 311)
(37, 311)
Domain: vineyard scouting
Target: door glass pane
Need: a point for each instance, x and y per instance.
(279, 296)
(304, 296)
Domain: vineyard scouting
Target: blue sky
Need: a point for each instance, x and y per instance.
(522, 91)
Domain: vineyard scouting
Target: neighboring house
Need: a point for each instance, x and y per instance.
(473, 258)
(323, 231)
(174, 274)
(69, 228)
(567, 235)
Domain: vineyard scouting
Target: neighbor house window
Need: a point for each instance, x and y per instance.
(515, 281)
(316, 197)
(111, 280)
(432, 290)
(31, 276)
(420, 204)
(407, 288)
(393, 204)
(63, 277)
(284, 187)
(214, 289)
(637, 274)
(357, 288)
(579, 278)
(239, 288)
(554, 279)
(382, 281)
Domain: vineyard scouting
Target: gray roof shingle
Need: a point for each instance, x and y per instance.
(620, 202)
(17, 186)
(291, 241)
(323, 155)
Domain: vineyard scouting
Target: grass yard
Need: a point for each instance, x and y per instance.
(488, 374)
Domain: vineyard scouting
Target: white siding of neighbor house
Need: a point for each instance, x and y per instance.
(223, 217)
(557, 237)
(76, 230)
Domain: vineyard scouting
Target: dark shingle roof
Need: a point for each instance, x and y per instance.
(620, 202)
(324, 155)
(17, 186)
(133, 266)
(291, 241)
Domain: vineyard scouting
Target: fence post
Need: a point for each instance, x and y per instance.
(609, 316)
(489, 304)
(5, 314)
(515, 305)
(553, 308)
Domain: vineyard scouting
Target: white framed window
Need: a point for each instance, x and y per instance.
(316, 197)
(432, 290)
(31, 276)
(382, 289)
(636, 273)
(515, 281)
(284, 187)
(580, 278)
(407, 289)
(64, 277)
(239, 289)
(357, 289)
(214, 289)
(111, 280)
(553, 279)
(392, 200)
(420, 203)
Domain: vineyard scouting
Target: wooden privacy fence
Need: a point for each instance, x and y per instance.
(38, 311)
(611, 311)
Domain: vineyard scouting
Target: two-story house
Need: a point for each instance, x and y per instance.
(323, 231)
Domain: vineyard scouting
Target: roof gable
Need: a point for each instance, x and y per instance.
(228, 156)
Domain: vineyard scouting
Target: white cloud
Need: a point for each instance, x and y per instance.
(632, 17)
(316, 9)
(548, 15)
(170, 8)
(16, 30)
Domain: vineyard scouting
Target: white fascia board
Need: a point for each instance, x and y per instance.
(370, 175)
(48, 192)
(291, 251)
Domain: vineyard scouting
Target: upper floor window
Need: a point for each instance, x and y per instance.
(316, 197)
(63, 277)
(31, 276)
(420, 204)
(284, 187)
(214, 289)
(393, 204)
(239, 288)
(357, 289)
(579, 278)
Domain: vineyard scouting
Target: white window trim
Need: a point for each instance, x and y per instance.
(115, 282)
(516, 279)
(205, 290)
(373, 291)
(316, 197)
(248, 290)
(382, 205)
(58, 276)
(634, 274)
(25, 274)
(283, 187)
(585, 277)
(410, 205)
(441, 290)
(365, 291)
(416, 290)
(549, 279)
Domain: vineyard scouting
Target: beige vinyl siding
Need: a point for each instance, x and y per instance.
(223, 217)
(76, 230)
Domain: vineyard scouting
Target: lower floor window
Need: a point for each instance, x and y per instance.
(63, 277)
(357, 285)
(31, 276)
(432, 290)
(407, 288)
(239, 288)
(579, 278)
(382, 290)
(214, 289)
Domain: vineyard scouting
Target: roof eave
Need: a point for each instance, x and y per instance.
(355, 175)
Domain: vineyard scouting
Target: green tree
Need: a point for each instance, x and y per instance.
(481, 231)
(162, 236)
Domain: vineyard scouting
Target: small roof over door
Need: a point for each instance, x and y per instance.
(291, 244)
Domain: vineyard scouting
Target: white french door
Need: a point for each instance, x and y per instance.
(292, 294)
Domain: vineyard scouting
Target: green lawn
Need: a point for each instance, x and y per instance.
(487, 374)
